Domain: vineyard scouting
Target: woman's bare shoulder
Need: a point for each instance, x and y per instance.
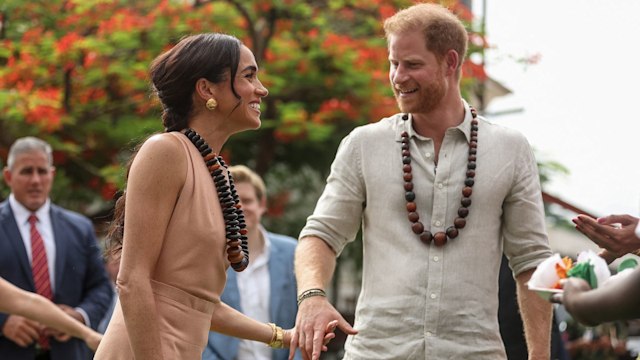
(161, 155)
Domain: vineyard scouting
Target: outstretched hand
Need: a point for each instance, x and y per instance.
(573, 290)
(316, 320)
(615, 240)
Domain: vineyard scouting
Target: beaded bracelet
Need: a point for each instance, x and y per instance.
(277, 339)
(310, 293)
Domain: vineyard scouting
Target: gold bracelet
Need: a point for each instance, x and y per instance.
(277, 339)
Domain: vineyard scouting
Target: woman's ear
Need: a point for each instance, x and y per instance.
(205, 89)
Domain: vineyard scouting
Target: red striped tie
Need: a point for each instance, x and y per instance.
(40, 269)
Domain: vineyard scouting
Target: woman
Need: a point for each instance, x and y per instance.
(16, 301)
(183, 229)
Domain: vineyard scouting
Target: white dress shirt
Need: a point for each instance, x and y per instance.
(21, 215)
(254, 286)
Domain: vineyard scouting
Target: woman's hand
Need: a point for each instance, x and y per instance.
(93, 340)
(329, 334)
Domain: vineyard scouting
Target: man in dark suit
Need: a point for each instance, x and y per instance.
(266, 290)
(50, 251)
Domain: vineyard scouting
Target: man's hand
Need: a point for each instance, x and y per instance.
(20, 330)
(314, 317)
(616, 240)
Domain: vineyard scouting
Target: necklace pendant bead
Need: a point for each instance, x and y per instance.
(440, 238)
(417, 228)
(426, 237)
(409, 196)
(459, 222)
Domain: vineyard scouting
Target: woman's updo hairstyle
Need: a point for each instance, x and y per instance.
(173, 76)
(174, 73)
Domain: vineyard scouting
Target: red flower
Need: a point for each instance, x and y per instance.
(66, 42)
(108, 191)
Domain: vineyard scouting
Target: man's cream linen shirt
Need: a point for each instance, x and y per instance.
(428, 302)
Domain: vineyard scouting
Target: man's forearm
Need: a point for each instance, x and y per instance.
(536, 316)
(315, 262)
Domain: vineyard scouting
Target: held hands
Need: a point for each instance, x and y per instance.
(616, 241)
(315, 323)
(328, 335)
(21, 330)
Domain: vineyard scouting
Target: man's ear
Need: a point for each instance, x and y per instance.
(6, 174)
(452, 60)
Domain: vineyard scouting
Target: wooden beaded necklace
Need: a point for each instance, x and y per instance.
(235, 226)
(439, 238)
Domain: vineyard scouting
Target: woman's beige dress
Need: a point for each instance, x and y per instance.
(190, 273)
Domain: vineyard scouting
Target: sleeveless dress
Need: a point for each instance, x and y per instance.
(190, 273)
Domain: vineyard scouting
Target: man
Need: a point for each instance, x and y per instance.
(266, 289)
(50, 251)
(431, 257)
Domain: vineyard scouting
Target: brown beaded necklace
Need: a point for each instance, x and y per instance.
(236, 232)
(439, 238)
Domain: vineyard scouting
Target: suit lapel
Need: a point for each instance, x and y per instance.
(10, 232)
(59, 238)
(231, 291)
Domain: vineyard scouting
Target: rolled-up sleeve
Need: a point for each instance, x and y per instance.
(524, 229)
(338, 213)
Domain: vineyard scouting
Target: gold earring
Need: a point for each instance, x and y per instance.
(211, 104)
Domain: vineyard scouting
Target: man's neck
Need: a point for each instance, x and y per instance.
(435, 123)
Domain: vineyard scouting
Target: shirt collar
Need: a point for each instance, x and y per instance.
(407, 125)
(266, 251)
(22, 214)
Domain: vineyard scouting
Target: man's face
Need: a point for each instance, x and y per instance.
(416, 75)
(253, 207)
(30, 179)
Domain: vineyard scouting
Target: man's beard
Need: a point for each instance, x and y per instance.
(429, 99)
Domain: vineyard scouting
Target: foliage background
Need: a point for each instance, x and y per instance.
(74, 72)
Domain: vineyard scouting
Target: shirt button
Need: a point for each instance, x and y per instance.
(429, 333)
(435, 258)
(437, 223)
(428, 155)
(433, 296)
(440, 186)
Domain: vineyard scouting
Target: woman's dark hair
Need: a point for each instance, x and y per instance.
(174, 74)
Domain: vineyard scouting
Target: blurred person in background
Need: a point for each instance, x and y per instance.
(50, 251)
(266, 289)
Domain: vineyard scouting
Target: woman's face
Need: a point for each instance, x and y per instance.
(244, 113)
